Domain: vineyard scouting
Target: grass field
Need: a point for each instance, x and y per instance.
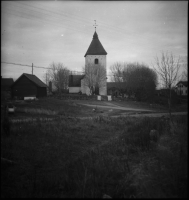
(53, 108)
(50, 107)
(89, 158)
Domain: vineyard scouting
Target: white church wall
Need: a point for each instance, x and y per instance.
(101, 58)
(103, 90)
(83, 88)
(90, 59)
(74, 89)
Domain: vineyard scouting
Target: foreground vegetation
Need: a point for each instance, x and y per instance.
(90, 158)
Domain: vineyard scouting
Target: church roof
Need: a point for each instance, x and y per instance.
(75, 80)
(95, 47)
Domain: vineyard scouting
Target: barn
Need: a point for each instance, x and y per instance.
(28, 85)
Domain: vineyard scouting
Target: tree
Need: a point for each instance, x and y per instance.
(139, 79)
(117, 71)
(46, 78)
(59, 75)
(185, 73)
(95, 77)
(167, 68)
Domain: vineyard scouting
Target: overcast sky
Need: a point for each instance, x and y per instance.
(42, 32)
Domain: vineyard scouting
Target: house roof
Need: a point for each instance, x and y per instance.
(34, 79)
(95, 47)
(6, 82)
(75, 80)
(185, 83)
(118, 85)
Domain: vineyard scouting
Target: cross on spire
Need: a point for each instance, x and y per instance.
(95, 25)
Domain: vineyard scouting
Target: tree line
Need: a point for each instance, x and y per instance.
(137, 78)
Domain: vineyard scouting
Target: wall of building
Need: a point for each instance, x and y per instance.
(24, 87)
(182, 90)
(41, 91)
(74, 89)
(90, 59)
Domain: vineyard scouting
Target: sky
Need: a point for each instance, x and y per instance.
(42, 32)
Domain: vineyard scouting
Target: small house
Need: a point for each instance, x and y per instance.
(182, 88)
(6, 84)
(28, 85)
(6, 88)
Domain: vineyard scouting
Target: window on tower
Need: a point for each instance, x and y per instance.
(96, 61)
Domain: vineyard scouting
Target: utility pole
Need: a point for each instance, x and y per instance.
(32, 68)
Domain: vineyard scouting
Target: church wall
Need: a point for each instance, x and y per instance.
(89, 59)
(74, 89)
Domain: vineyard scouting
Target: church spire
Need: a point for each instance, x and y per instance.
(95, 47)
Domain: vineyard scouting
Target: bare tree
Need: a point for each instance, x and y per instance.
(59, 75)
(185, 73)
(46, 78)
(167, 68)
(95, 77)
(117, 71)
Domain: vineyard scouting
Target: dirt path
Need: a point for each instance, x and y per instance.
(113, 106)
(114, 116)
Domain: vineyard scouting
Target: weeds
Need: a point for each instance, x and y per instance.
(90, 158)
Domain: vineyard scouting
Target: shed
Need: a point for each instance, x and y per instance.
(28, 85)
(6, 84)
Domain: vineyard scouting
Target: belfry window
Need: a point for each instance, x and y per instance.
(96, 61)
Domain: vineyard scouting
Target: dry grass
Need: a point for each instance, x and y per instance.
(88, 158)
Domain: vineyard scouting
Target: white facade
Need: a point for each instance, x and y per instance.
(74, 89)
(90, 59)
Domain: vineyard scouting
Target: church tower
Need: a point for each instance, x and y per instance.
(96, 55)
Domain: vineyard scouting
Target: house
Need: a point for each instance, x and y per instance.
(28, 85)
(6, 88)
(95, 55)
(6, 84)
(182, 88)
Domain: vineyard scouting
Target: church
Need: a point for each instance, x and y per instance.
(95, 57)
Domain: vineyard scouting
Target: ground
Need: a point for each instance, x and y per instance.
(53, 108)
(74, 158)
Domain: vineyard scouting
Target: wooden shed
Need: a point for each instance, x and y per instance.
(28, 85)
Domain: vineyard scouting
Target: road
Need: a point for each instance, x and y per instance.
(113, 106)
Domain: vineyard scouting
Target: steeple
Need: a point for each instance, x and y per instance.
(95, 36)
(95, 47)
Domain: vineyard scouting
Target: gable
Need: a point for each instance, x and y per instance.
(35, 80)
(23, 82)
(32, 78)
